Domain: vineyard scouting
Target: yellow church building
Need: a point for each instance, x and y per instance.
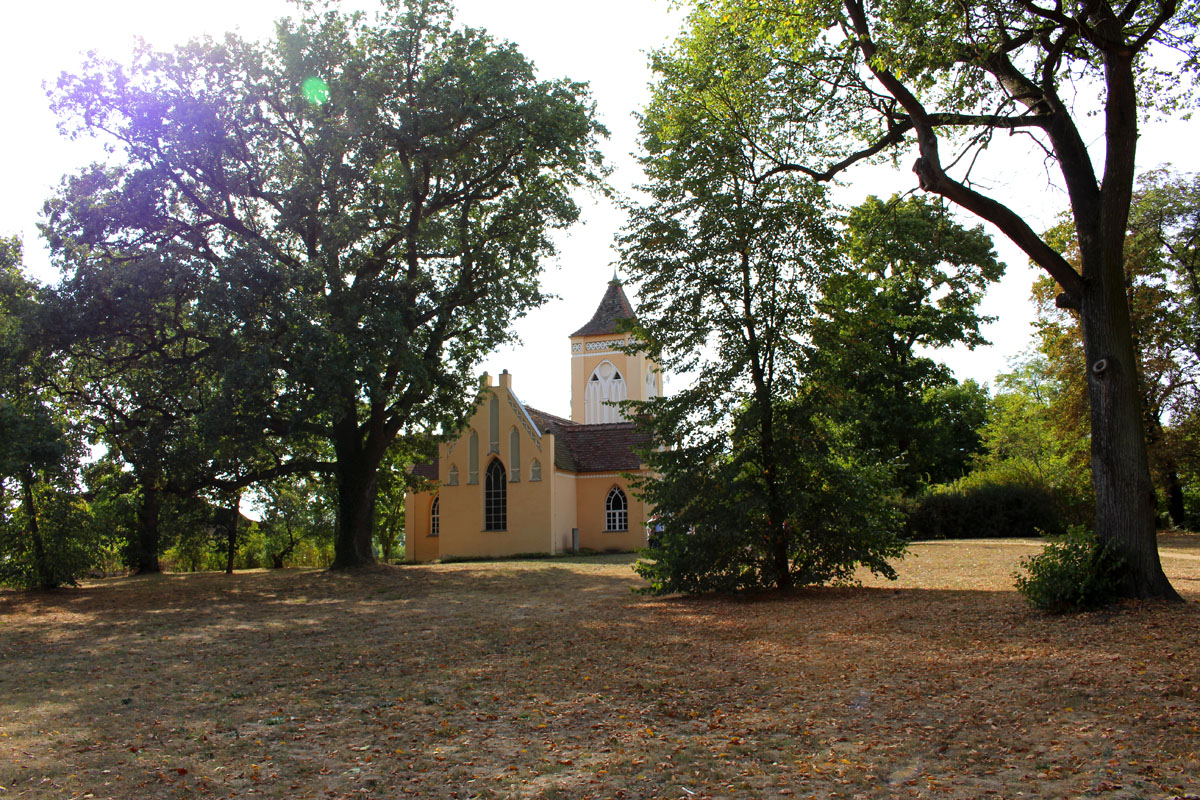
(518, 480)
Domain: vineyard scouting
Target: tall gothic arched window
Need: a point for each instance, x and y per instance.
(605, 386)
(616, 511)
(435, 517)
(495, 498)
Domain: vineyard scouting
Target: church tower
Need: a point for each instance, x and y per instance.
(600, 372)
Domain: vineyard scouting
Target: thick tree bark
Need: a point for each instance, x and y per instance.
(357, 477)
(231, 526)
(1125, 501)
(143, 550)
(40, 563)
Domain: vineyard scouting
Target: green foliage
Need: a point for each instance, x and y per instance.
(914, 285)
(1030, 438)
(984, 511)
(67, 544)
(754, 479)
(46, 539)
(297, 524)
(1072, 573)
(713, 530)
(826, 86)
(341, 262)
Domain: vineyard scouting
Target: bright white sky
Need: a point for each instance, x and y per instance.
(605, 46)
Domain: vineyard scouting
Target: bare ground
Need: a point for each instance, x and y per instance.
(551, 679)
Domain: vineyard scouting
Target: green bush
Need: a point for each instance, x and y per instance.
(1073, 573)
(990, 511)
(64, 549)
(712, 531)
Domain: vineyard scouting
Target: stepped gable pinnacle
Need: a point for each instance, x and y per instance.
(613, 306)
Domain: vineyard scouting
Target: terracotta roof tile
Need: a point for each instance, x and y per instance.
(427, 471)
(591, 448)
(613, 306)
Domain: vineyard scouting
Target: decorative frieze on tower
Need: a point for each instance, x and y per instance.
(600, 373)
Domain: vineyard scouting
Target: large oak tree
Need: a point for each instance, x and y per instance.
(371, 202)
(863, 79)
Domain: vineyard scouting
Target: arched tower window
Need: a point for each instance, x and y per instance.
(453, 480)
(651, 383)
(435, 517)
(473, 458)
(514, 455)
(535, 470)
(494, 425)
(616, 511)
(606, 385)
(495, 498)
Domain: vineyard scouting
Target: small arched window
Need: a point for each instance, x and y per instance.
(514, 455)
(473, 458)
(435, 517)
(535, 470)
(495, 498)
(453, 479)
(616, 511)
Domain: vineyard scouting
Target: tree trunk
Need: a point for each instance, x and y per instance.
(277, 558)
(357, 476)
(231, 527)
(1125, 501)
(143, 550)
(40, 563)
(1175, 505)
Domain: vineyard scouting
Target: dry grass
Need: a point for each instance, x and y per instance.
(550, 679)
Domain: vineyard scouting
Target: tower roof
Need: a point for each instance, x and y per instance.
(613, 306)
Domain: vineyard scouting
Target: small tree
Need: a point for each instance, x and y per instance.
(750, 490)
(914, 284)
(45, 536)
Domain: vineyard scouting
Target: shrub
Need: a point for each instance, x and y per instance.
(64, 549)
(1073, 573)
(714, 534)
(989, 511)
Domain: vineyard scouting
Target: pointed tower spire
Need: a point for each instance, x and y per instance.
(613, 306)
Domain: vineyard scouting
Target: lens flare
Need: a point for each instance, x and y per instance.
(315, 91)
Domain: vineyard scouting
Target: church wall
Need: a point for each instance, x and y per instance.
(529, 503)
(563, 503)
(418, 544)
(592, 491)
